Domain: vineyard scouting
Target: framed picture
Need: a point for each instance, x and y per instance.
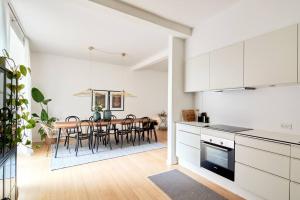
(117, 100)
(100, 97)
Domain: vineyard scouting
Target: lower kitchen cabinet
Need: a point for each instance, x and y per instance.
(294, 191)
(263, 184)
(188, 153)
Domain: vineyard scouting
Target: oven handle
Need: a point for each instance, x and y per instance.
(217, 147)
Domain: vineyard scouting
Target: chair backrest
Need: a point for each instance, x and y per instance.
(73, 119)
(132, 116)
(103, 126)
(86, 127)
(113, 117)
(145, 123)
(127, 124)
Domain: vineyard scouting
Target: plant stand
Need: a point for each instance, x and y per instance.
(163, 123)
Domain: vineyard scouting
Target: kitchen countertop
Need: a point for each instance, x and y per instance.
(262, 134)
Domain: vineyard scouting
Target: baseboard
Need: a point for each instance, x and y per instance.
(223, 182)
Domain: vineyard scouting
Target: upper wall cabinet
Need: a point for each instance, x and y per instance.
(197, 74)
(271, 58)
(227, 67)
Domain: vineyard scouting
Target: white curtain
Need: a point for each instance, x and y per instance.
(4, 25)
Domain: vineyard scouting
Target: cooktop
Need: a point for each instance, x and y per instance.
(226, 128)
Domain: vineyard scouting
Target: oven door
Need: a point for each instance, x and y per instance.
(218, 159)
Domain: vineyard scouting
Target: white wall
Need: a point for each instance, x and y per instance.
(264, 108)
(60, 77)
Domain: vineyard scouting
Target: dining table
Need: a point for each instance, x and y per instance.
(60, 125)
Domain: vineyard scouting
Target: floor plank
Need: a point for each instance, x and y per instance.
(119, 178)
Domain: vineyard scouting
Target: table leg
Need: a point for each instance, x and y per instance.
(57, 142)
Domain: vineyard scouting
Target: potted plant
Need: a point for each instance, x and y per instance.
(97, 112)
(46, 130)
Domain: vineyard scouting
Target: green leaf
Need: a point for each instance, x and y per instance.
(44, 115)
(23, 70)
(20, 87)
(6, 53)
(35, 115)
(46, 101)
(2, 61)
(28, 142)
(29, 70)
(37, 95)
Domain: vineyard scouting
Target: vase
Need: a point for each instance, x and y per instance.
(97, 116)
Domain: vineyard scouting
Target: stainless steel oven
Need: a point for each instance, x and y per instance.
(217, 155)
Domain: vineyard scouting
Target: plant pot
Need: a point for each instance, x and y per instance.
(97, 116)
(50, 141)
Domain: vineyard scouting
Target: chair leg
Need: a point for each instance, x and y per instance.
(148, 138)
(80, 143)
(98, 141)
(155, 136)
(77, 144)
(109, 141)
(121, 141)
(66, 140)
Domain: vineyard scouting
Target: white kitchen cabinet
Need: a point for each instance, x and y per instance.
(269, 162)
(188, 139)
(188, 128)
(188, 154)
(271, 58)
(218, 134)
(295, 170)
(261, 183)
(227, 67)
(294, 191)
(295, 151)
(197, 74)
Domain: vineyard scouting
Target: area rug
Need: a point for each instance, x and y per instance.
(67, 158)
(179, 186)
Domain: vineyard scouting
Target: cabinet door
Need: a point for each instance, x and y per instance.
(263, 184)
(188, 154)
(295, 191)
(227, 67)
(271, 58)
(197, 74)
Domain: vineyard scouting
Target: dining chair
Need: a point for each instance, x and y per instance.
(71, 132)
(114, 129)
(152, 130)
(143, 126)
(126, 129)
(86, 129)
(102, 132)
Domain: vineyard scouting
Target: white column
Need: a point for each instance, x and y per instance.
(177, 98)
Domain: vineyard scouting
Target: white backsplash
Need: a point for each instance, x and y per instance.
(272, 108)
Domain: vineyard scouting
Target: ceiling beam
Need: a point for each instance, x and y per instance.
(157, 58)
(176, 29)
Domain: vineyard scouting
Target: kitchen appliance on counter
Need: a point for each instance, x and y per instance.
(218, 154)
(203, 118)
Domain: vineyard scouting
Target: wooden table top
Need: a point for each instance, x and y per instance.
(74, 124)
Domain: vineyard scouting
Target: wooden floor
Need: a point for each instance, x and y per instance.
(120, 178)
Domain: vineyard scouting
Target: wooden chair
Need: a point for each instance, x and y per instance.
(126, 129)
(144, 126)
(85, 132)
(102, 132)
(71, 132)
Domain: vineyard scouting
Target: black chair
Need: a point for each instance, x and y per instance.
(102, 132)
(144, 126)
(86, 129)
(152, 130)
(126, 129)
(71, 132)
(114, 129)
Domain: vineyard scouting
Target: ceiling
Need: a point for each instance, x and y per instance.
(69, 27)
(188, 12)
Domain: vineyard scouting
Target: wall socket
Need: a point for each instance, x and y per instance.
(287, 126)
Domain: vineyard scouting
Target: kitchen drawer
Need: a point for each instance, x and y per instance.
(220, 134)
(261, 183)
(263, 160)
(188, 154)
(294, 191)
(283, 149)
(295, 151)
(295, 170)
(190, 139)
(188, 128)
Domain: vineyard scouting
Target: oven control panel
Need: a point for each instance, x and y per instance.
(217, 141)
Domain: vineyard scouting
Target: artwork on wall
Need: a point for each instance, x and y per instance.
(100, 97)
(117, 101)
(110, 100)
